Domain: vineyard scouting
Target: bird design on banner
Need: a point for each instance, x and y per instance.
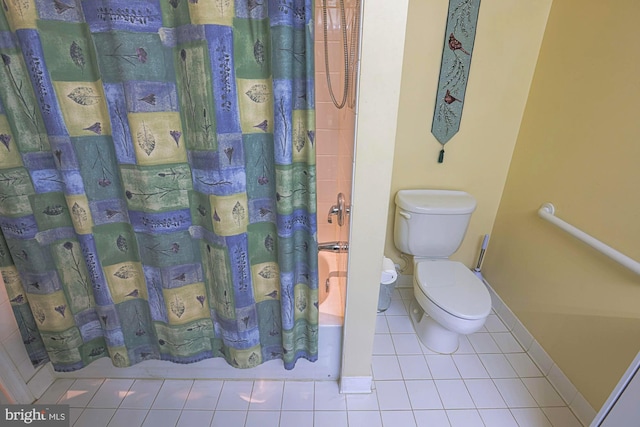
(454, 44)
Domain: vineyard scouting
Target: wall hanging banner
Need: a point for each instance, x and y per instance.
(460, 34)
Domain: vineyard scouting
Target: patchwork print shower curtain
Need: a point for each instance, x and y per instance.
(157, 179)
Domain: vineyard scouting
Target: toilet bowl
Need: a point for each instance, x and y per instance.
(449, 301)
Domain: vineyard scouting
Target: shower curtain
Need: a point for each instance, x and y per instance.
(157, 180)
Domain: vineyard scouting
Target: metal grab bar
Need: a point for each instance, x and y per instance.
(547, 211)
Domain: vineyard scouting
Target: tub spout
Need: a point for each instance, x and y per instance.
(334, 246)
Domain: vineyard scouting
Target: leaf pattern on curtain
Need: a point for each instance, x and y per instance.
(157, 180)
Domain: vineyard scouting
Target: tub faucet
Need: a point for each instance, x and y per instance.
(340, 210)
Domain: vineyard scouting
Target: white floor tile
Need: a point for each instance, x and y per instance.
(485, 394)
(363, 402)
(406, 293)
(432, 418)
(514, 393)
(235, 395)
(561, 417)
(470, 366)
(392, 396)
(74, 414)
(383, 345)
(364, 418)
(80, 392)
(489, 381)
(543, 392)
(454, 394)
(111, 393)
(423, 394)
(397, 418)
(465, 418)
(328, 397)
(396, 308)
(530, 417)
(161, 418)
(195, 418)
(204, 395)
(523, 365)
(497, 418)
(266, 395)
(128, 417)
(507, 342)
(95, 417)
(494, 324)
(330, 418)
(400, 325)
(442, 366)
(55, 391)
(498, 366)
(464, 347)
(141, 394)
(381, 324)
(406, 344)
(259, 419)
(298, 396)
(228, 418)
(414, 367)
(386, 368)
(173, 394)
(482, 342)
(295, 418)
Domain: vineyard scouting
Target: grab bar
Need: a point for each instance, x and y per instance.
(547, 211)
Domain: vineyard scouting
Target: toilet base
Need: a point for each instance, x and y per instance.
(432, 335)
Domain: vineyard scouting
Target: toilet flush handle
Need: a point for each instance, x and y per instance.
(404, 214)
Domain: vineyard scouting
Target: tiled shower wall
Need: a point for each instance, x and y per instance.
(334, 127)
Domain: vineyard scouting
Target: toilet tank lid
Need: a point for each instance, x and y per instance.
(436, 202)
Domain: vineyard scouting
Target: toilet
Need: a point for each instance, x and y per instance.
(449, 299)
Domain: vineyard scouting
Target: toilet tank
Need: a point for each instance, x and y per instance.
(431, 223)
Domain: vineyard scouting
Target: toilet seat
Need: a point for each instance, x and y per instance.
(454, 288)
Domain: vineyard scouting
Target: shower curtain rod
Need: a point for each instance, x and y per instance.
(547, 211)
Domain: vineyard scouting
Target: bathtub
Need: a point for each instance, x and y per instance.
(332, 269)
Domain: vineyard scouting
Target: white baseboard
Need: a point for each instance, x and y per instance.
(356, 385)
(569, 393)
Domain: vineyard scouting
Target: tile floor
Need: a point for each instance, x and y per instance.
(490, 381)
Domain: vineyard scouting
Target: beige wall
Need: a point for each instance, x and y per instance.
(578, 148)
(508, 39)
(381, 61)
